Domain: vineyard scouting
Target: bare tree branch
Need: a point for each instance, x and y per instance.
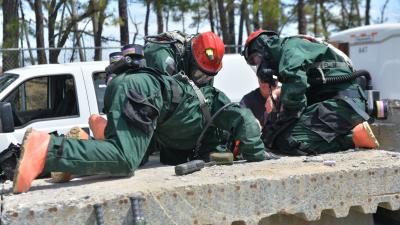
(382, 19)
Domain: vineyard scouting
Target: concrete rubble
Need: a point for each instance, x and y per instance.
(306, 189)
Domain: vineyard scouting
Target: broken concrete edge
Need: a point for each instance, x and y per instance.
(360, 181)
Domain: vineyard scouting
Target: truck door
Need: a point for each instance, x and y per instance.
(48, 103)
(95, 76)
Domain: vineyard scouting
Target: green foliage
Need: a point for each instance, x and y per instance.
(12, 28)
(200, 13)
(271, 13)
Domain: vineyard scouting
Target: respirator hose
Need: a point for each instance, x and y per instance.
(340, 79)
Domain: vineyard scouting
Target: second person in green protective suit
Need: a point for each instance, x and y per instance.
(149, 109)
(321, 107)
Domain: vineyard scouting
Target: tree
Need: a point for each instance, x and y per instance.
(231, 26)
(356, 4)
(286, 17)
(77, 34)
(244, 16)
(200, 13)
(211, 14)
(146, 22)
(367, 9)
(98, 19)
(354, 14)
(315, 18)
(222, 20)
(160, 23)
(271, 13)
(302, 23)
(66, 25)
(25, 31)
(38, 5)
(52, 9)
(10, 33)
(256, 14)
(323, 19)
(167, 7)
(180, 8)
(343, 14)
(382, 17)
(123, 21)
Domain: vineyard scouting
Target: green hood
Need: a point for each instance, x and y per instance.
(161, 57)
(274, 46)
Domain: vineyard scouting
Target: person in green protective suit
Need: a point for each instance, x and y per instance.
(321, 107)
(146, 110)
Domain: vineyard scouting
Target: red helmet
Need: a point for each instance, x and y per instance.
(208, 50)
(253, 36)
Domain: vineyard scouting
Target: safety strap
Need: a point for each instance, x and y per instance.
(176, 92)
(353, 94)
(330, 64)
(203, 101)
(346, 97)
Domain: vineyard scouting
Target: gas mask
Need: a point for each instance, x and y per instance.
(200, 78)
(266, 74)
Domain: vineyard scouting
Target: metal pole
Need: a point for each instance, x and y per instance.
(137, 210)
(98, 209)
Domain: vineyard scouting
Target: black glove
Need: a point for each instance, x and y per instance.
(275, 124)
(270, 155)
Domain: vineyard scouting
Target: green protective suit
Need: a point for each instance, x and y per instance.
(148, 112)
(162, 57)
(314, 119)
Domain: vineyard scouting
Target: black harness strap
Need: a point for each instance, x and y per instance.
(176, 92)
(203, 101)
(347, 96)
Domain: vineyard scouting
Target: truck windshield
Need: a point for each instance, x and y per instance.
(6, 79)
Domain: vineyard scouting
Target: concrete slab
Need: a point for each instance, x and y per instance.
(353, 218)
(359, 181)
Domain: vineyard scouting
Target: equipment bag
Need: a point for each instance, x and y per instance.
(8, 161)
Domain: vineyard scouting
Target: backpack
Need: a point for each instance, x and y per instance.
(177, 40)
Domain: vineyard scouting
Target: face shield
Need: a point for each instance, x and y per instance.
(254, 51)
(254, 60)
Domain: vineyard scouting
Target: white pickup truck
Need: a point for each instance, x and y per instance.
(50, 98)
(56, 97)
